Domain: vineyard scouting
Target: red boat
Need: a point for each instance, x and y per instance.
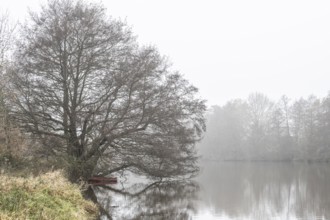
(101, 180)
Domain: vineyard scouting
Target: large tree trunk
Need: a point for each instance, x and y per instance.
(80, 170)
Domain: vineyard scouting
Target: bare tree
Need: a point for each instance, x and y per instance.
(285, 106)
(94, 97)
(260, 108)
(227, 131)
(6, 39)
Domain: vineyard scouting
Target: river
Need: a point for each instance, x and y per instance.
(227, 191)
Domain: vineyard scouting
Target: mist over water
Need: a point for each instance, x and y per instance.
(115, 103)
(265, 190)
(228, 191)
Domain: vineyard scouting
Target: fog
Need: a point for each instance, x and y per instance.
(262, 129)
(229, 49)
(262, 68)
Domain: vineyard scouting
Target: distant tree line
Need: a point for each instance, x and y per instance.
(261, 129)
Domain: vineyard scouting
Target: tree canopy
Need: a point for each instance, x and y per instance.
(91, 95)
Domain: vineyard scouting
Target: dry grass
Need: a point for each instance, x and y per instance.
(48, 196)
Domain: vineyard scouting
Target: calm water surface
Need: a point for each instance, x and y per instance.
(227, 191)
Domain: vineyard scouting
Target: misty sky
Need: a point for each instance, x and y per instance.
(230, 48)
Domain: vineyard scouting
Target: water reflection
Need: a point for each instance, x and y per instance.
(266, 191)
(156, 200)
(229, 191)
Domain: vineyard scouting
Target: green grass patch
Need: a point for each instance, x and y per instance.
(48, 196)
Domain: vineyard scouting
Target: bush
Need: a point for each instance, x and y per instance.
(48, 196)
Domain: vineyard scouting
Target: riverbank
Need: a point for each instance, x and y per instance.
(47, 196)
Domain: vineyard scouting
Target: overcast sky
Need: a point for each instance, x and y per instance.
(230, 48)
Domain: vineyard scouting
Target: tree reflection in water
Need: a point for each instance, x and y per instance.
(156, 200)
(252, 191)
(228, 190)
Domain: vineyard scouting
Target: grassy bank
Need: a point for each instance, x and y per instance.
(48, 196)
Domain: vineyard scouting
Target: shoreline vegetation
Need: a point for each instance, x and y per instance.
(45, 196)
